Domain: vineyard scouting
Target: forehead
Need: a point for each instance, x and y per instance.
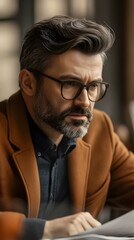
(75, 62)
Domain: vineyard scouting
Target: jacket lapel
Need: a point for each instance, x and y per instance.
(79, 164)
(24, 157)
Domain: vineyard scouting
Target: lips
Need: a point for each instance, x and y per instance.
(80, 116)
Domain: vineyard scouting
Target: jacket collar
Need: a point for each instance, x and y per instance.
(24, 157)
(78, 162)
(19, 133)
(79, 166)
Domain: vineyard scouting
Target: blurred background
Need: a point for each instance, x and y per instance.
(17, 16)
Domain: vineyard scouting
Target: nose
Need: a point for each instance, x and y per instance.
(83, 99)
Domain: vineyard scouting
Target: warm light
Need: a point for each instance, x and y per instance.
(9, 68)
(49, 8)
(9, 37)
(77, 8)
(82, 8)
(8, 8)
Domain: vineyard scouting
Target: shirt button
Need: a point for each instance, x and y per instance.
(54, 147)
(51, 196)
(39, 154)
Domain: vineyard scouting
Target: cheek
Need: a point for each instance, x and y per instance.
(57, 103)
(60, 105)
(52, 98)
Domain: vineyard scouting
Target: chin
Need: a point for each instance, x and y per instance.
(76, 132)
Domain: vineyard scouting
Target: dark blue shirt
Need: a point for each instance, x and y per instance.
(53, 173)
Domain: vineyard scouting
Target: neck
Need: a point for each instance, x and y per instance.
(52, 134)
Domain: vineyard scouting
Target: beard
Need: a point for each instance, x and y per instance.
(46, 113)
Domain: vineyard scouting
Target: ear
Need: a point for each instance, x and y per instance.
(27, 82)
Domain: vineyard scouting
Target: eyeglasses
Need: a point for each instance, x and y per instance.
(71, 89)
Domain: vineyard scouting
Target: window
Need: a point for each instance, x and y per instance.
(9, 47)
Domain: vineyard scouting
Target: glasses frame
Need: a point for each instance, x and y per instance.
(61, 82)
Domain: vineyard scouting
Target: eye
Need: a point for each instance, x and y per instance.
(70, 84)
(93, 86)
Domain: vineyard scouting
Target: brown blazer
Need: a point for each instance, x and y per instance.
(100, 169)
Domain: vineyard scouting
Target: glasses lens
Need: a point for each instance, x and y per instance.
(96, 91)
(70, 89)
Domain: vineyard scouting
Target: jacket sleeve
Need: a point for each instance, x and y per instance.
(11, 225)
(15, 226)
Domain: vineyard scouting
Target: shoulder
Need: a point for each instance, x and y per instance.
(101, 115)
(3, 124)
(3, 113)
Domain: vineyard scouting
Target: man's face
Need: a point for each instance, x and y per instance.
(68, 117)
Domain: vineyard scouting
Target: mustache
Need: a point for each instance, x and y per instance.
(78, 110)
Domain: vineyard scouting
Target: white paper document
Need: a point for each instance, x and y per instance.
(93, 237)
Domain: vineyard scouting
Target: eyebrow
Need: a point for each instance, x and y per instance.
(65, 77)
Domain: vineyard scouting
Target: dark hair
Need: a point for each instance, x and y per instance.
(59, 34)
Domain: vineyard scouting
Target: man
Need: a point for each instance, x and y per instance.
(60, 160)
